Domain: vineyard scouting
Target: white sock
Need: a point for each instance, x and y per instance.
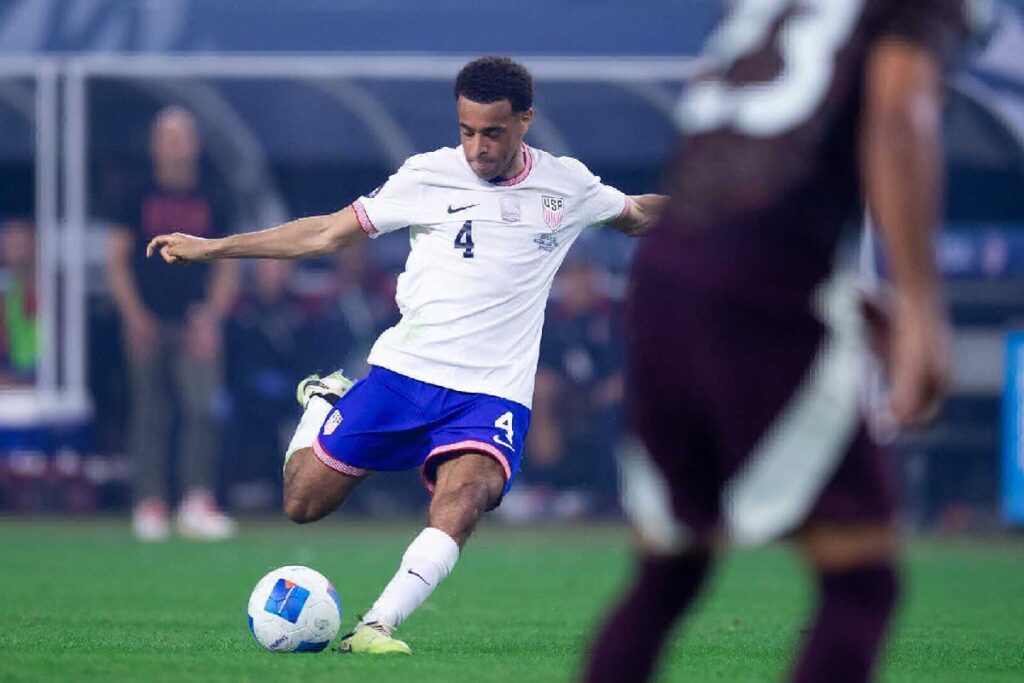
(428, 559)
(309, 426)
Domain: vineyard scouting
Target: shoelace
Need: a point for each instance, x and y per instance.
(377, 626)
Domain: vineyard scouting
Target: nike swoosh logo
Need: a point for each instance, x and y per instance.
(461, 208)
(419, 577)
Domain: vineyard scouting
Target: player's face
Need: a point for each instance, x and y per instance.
(492, 135)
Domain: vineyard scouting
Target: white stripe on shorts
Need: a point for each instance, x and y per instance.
(772, 494)
(647, 502)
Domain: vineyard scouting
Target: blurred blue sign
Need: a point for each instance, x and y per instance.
(980, 251)
(1013, 428)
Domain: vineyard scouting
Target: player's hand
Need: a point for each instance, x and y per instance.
(919, 361)
(180, 248)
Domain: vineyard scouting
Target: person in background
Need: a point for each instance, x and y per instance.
(265, 351)
(577, 396)
(349, 321)
(19, 338)
(171, 320)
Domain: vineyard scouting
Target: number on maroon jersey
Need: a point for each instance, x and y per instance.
(464, 240)
(806, 35)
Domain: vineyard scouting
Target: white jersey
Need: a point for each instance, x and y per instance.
(483, 257)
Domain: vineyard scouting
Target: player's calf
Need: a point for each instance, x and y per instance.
(858, 589)
(467, 487)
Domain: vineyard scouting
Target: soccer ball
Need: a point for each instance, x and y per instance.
(294, 609)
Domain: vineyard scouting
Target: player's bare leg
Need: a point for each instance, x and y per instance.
(312, 490)
(858, 589)
(467, 486)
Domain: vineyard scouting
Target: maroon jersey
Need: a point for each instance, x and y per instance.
(768, 159)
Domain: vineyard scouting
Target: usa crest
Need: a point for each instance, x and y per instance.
(554, 211)
(332, 423)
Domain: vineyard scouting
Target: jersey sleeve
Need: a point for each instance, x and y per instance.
(391, 206)
(939, 26)
(599, 203)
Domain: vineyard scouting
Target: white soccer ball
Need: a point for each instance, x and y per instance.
(294, 609)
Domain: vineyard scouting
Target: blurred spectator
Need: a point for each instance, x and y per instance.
(575, 423)
(19, 336)
(171, 318)
(266, 341)
(361, 306)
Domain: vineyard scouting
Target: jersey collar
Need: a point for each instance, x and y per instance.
(527, 167)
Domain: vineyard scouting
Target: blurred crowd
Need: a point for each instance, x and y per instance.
(18, 328)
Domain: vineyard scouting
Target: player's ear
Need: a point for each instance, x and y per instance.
(526, 118)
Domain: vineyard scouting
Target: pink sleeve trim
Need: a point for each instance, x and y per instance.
(364, 220)
(468, 447)
(335, 464)
(625, 208)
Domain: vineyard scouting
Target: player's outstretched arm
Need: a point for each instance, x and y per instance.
(302, 238)
(643, 212)
(902, 171)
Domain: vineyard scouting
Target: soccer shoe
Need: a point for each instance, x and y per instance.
(331, 388)
(372, 638)
(200, 519)
(150, 522)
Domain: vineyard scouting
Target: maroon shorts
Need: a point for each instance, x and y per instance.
(744, 388)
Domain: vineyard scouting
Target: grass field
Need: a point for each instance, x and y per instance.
(83, 602)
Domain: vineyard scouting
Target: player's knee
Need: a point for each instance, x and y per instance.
(296, 510)
(469, 495)
(301, 510)
(300, 505)
(838, 548)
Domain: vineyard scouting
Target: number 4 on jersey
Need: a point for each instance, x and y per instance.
(504, 423)
(464, 240)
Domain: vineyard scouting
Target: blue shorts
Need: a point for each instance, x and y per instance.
(389, 422)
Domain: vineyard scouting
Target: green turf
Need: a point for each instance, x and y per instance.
(83, 602)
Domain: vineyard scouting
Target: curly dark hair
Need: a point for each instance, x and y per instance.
(492, 79)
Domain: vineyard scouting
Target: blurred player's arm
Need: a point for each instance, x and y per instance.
(641, 214)
(140, 325)
(302, 238)
(902, 173)
(119, 274)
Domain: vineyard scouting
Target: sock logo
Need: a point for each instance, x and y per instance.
(419, 577)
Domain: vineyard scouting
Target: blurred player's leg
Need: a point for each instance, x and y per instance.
(149, 431)
(198, 382)
(632, 638)
(857, 591)
(467, 486)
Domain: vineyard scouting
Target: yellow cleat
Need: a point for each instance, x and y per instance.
(373, 638)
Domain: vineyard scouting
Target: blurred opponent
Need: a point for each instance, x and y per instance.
(745, 343)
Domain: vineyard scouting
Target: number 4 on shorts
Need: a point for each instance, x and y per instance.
(504, 423)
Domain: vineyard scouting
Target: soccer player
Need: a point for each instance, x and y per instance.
(450, 385)
(745, 341)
